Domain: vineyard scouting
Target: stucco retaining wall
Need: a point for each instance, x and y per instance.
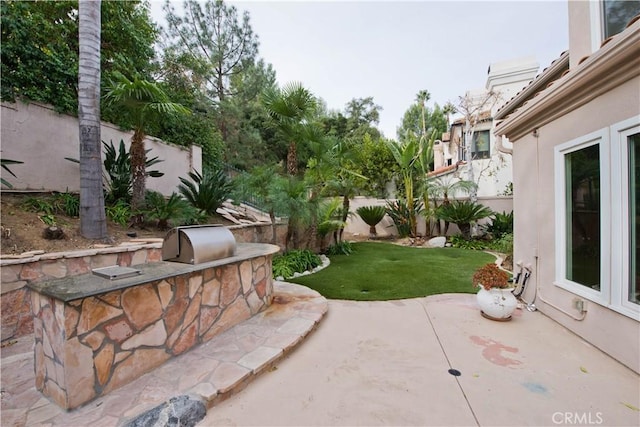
(41, 138)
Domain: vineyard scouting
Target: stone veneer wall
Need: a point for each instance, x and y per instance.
(85, 348)
(16, 273)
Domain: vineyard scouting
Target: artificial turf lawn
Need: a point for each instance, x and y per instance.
(383, 271)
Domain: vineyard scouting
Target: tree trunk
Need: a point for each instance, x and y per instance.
(93, 223)
(292, 159)
(274, 228)
(345, 214)
(138, 172)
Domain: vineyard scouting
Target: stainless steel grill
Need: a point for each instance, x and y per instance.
(197, 244)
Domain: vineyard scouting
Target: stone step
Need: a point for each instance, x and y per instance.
(211, 372)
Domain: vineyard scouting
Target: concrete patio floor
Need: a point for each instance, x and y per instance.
(367, 363)
(386, 363)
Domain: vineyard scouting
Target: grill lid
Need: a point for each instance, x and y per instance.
(197, 244)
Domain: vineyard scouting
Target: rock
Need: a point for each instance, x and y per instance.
(180, 411)
(437, 242)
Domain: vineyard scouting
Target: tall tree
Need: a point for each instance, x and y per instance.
(142, 101)
(362, 111)
(93, 223)
(289, 110)
(40, 49)
(214, 43)
(413, 125)
(474, 109)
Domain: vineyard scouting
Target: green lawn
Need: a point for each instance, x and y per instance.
(383, 271)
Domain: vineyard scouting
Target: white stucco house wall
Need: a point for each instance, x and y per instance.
(576, 156)
(491, 163)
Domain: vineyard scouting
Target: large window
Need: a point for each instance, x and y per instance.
(582, 192)
(597, 208)
(616, 14)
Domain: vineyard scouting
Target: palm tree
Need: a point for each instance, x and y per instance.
(93, 222)
(142, 101)
(289, 109)
(448, 109)
(422, 98)
(344, 181)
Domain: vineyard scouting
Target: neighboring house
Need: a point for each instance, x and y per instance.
(576, 156)
(492, 167)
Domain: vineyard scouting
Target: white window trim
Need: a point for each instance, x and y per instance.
(599, 138)
(614, 219)
(619, 134)
(597, 27)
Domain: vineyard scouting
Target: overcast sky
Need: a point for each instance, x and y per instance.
(391, 50)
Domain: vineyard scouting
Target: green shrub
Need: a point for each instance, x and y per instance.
(117, 179)
(400, 214)
(295, 261)
(48, 219)
(38, 204)
(341, 248)
(119, 213)
(206, 192)
(501, 224)
(462, 213)
(166, 211)
(459, 241)
(503, 244)
(117, 164)
(67, 203)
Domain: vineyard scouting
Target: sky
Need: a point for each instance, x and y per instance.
(391, 50)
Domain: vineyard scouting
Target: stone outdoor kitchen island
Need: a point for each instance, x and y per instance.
(93, 334)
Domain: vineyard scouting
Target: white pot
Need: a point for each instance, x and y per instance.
(497, 303)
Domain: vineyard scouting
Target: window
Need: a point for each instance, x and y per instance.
(480, 145)
(597, 207)
(616, 14)
(634, 199)
(582, 192)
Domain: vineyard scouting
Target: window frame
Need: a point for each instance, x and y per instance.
(619, 134)
(614, 217)
(600, 138)
(598, 26)
(474, 146)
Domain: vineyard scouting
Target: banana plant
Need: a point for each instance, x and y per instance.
(406, 154)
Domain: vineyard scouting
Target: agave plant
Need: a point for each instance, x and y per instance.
(371, 215)
(5, 165)
(463, 213)
(206, 192)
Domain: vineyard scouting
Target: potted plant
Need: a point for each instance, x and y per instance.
(495, 296)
